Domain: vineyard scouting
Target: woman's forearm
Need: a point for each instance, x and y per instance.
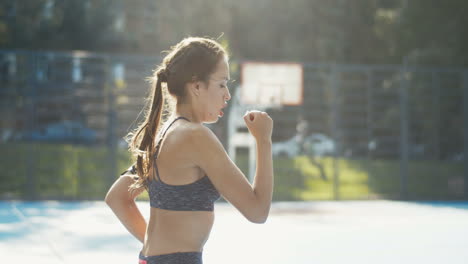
(130, 216)
(263, 183)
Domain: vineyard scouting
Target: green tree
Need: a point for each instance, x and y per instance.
(433, 32)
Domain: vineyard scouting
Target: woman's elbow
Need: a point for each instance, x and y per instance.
(110, 199)
(116, 200)
(107, 199)
(259, 217)
(118, 193)
(259, 220)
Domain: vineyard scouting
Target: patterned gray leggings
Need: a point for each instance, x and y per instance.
(194, 257)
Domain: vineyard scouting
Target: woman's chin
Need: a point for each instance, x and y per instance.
(212, 119)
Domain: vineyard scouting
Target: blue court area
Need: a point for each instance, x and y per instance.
(296, 232)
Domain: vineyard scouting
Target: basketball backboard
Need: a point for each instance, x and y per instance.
(271, 84)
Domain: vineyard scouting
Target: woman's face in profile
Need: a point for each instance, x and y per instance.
(214, 97)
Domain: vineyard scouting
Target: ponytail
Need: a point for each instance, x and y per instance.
(147, 131)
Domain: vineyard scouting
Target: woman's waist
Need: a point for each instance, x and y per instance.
(180, 221)
(163, 243)
(188, 233)
(179, 234)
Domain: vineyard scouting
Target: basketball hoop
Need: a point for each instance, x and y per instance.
(271, 85)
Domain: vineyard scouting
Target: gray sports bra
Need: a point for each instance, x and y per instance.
(196, 196)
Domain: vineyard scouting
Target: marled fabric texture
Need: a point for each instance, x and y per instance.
(173, 258)
(197, 196)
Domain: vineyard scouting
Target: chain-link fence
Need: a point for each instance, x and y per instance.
(377, 131)
(363, 131)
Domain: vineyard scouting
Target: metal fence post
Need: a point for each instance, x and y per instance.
(335, 112)
(404, 140)
(436, 100)
(31, 180)
(369, 107)
(111, 124)
(465, 131)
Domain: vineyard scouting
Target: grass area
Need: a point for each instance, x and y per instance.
(363, 179)
(307, 178)
(49, 171)
(80, 172)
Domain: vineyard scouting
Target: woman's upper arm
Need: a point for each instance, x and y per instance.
(120, 189)
(227, 178)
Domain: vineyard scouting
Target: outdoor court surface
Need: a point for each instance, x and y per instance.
(296, 232)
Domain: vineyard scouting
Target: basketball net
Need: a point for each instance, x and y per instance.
(269, 95)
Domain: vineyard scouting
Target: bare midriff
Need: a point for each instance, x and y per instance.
(177, 231)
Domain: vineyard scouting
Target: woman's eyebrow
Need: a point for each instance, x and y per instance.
(222, 79)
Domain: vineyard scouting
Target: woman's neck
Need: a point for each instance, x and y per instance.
(187, 111)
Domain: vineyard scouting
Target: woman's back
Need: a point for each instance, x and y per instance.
(178, 225)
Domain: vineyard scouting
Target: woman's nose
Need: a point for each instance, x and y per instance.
(228, 96)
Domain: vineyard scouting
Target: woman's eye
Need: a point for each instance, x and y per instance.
(223, 86)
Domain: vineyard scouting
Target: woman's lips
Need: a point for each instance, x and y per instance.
(221, 113)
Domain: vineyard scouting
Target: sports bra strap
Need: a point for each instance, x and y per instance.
(164, 133)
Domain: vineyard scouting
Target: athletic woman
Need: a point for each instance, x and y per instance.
(183, 165)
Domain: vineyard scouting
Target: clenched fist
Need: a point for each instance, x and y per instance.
(259, 124)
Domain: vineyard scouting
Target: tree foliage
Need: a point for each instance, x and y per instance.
(429, 32)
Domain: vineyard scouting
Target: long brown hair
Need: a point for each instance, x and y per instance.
(193, 58)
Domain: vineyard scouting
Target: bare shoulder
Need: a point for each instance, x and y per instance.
(197, 136)
(190, 127)
(201, 133)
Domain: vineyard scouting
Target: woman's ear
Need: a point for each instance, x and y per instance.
(194, 87)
